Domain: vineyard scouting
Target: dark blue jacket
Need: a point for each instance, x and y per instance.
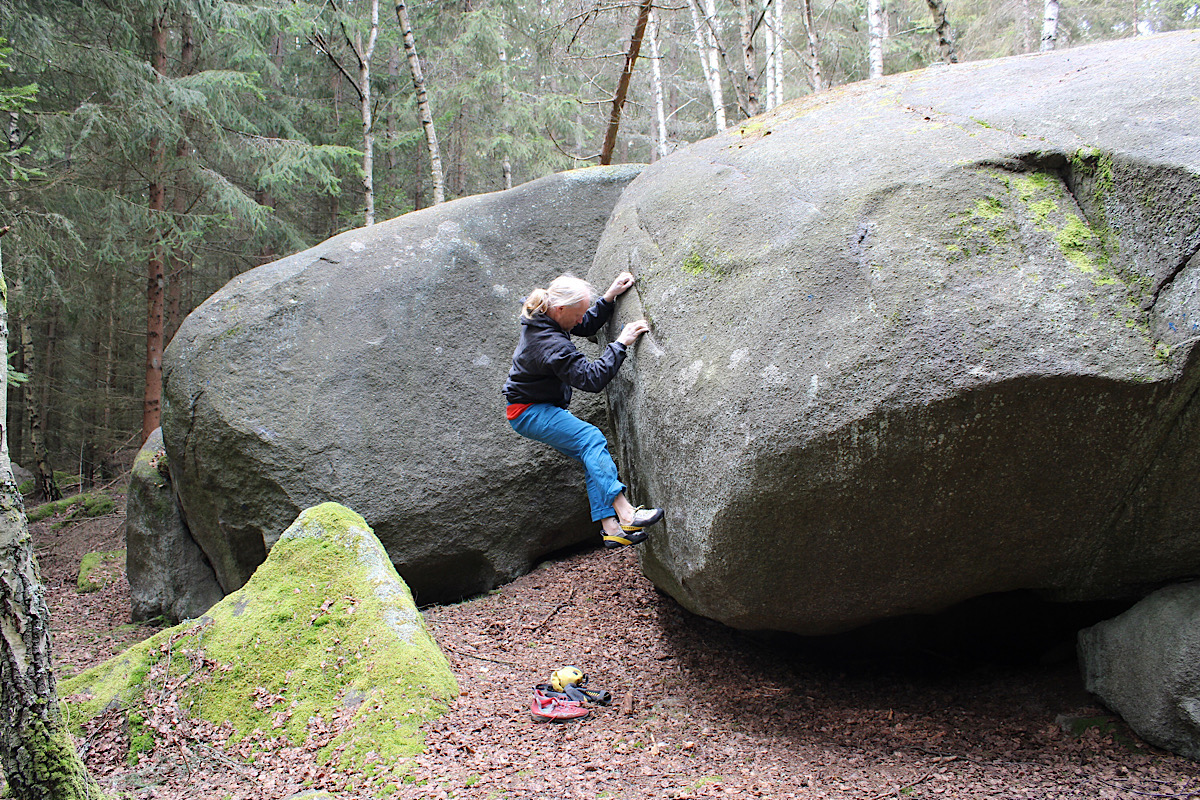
(546, 364)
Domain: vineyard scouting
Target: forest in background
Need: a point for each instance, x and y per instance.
(161, 147)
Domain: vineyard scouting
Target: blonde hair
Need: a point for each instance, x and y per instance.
(565, 290)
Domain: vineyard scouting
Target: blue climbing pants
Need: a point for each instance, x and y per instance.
(583, 442)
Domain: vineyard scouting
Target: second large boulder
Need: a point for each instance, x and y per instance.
(367, 370)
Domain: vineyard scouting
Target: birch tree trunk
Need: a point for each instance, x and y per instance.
(748, 65)
(814, 57)
(656, 88)
(774, 42)
(1050, 25)
(769, 41)
(38, 756)
(875, 38)
(945, 36)
(635, 49)
(1026, 27)
(414, 66)
(710, 63)
(365, 54)
(506, 163)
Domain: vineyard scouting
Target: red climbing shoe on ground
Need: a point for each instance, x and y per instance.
(551, 709)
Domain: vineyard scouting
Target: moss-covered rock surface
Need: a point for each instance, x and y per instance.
(322, 645)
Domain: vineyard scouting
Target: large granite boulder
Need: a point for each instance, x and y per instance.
(1145, 665)
(168, 574)
(367, 370)
(921, 339)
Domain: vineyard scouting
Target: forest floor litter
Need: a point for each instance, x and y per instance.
(699, 710)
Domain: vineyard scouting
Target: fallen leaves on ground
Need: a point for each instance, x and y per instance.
(699, 710)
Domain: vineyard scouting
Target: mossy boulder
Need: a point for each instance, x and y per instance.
(169, 575)
(324, 636)
(368, 370)
(922, 339)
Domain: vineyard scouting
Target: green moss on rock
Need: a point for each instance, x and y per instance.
(325, 632)
(1077, 242)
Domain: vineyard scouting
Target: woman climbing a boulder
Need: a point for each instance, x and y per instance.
(545, 368)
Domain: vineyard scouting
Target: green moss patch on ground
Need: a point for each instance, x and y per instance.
(98, 569)
(323, 642)
(87, 504)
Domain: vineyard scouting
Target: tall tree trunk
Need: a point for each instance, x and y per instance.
(709, 61)
(814, 56)
(1026, 27)
(656, 88)
(110, 355)
(91, 415)
(945, 36)
(45, 487)
(635, 49)
(414, 66)
(179, 202)
(38, 756)
(777, 55)
(152, 399)
(365, 55)
(748, 65)
(17, 419)
(393, 160)
(875, 38)
(769, 72)
(506, 162)
(1050, 25)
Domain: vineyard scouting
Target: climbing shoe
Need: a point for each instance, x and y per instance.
(643, 517)
(625, 538)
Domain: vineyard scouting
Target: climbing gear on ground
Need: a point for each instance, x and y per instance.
(625, 538)
(578, 694)
(551, 709)
(567, 676)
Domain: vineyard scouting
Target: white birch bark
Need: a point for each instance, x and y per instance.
(814, 57)
(656, 86)
(748, 59)
(364, 84)
(36, 751)
(506, 162)
(710, 63)
(1026, 28)
(875, 38)
(776, 49)
(769, 41)
(941, 26)
(1050, 25)
(414, 65)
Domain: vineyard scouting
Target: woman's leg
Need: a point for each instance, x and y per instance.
(585, 443)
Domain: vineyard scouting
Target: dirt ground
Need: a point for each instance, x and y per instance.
(699, 710)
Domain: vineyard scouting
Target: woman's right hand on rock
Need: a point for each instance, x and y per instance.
(631, 332)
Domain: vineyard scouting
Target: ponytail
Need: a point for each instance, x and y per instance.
(565, 290)
(538, 302)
